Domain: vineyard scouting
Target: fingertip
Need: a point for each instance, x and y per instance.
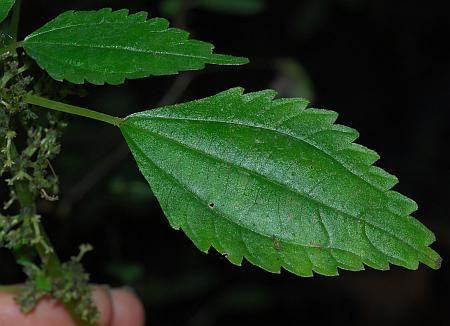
(127, 308)
(117, 307)
(8, 308)
(48, 312)
(103, 301)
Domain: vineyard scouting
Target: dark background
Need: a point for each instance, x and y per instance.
(383, 65)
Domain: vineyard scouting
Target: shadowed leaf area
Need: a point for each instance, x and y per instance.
(277, 183)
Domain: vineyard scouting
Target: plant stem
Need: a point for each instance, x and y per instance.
(15, 20)
(44, 249)
(51, 263)
(11, 47)
(72, 109)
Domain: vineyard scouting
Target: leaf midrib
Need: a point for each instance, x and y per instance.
(126, 48)
(346, 166)
(263, 127)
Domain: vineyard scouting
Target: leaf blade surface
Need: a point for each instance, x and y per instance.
(109, 46)
(277, 183)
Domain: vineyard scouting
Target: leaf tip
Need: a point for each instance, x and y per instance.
(229, 60)
(434, 260)
(438, 263)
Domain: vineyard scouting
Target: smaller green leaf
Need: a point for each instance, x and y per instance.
(5, 7)
(106, 46)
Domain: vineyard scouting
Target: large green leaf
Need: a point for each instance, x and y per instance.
(276, 183)
(5, 7)
(105, 46)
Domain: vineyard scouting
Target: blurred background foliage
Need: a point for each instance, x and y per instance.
(383, 65)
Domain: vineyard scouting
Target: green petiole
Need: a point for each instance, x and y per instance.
(72, 109)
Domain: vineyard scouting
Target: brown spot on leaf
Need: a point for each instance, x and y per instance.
(212, 205)
(276, 243)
